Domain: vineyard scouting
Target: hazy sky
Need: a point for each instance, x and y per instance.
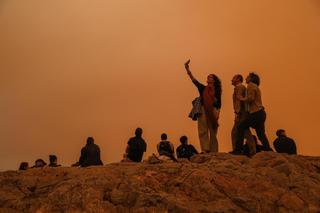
(74, 68)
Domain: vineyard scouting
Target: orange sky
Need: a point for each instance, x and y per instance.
(72, 69)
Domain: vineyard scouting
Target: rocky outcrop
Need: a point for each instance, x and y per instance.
(268, 182)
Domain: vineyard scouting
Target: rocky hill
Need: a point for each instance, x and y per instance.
(268, 182)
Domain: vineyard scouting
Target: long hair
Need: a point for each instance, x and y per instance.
(217, 91)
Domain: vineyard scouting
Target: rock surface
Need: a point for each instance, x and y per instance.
(268, 182)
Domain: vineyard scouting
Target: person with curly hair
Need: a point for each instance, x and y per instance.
(211, 103)
(256, 117)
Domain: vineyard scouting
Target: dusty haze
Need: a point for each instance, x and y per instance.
(72, 69)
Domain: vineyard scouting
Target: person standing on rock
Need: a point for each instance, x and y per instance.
(284, 144)
(211, 104)
(256, 117)
(136, 147)
(240, 112)
(90, 154)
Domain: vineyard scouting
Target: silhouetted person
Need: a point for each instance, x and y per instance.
(240, 113)
(246, 147)
(90, 154)
(284, 144)
(136, 147)
(211, 104)
(185, 150)
(165, 147)
(24, 166)
(53, 161)
(39, 163)
(256, 117)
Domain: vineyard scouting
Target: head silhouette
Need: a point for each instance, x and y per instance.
(53, 159)
(237, 79)
(138, 132)
(90, 140)
(184, 139)
(253, 78)
(40, 163)
(23, 166)
(164, 136)
(280, 132)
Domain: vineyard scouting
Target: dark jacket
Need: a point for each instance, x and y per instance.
(284, 144)
(196, 109)
(136, 147)
(90, 155)
(186, 151)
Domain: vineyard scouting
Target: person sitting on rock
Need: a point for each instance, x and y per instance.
(24, 166)
(90, 154)
(246, 148)
(136, 147)
(39, 163)
(284, 144)
(53, 161)
(185, 150)
(165, 148)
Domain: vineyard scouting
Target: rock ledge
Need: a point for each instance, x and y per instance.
(268, 182)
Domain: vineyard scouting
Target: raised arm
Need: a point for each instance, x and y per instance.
(186, 66)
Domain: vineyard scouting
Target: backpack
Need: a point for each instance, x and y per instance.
(164, 147)
(184, 152)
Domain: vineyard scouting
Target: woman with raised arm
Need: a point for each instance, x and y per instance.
(210, 103)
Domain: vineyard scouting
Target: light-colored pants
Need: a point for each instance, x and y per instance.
(207, 134)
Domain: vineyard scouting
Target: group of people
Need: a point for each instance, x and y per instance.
(90, 153)
(89, 156)
(137, 146)
(249, 113)
(39, 163)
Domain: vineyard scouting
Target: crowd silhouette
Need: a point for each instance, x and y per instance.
(249, 113)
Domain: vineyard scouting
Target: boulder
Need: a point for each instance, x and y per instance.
(267, 182)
